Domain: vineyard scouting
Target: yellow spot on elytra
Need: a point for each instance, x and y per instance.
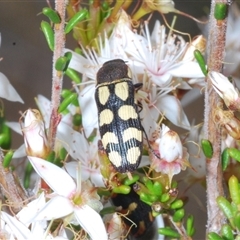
(127, 112)
(109, 137)
(115, 158)
(105, 117)
(121, 90)
(103, 94)
(130, 133)
(133, 154)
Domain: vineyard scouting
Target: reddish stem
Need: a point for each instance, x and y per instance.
(214, 178)
(60, 7)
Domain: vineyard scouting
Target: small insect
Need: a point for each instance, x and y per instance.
(119, 122)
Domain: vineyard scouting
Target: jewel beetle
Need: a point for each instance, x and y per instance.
(136, 212)
(118, 116)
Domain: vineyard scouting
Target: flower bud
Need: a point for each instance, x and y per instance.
(170, 146)
(173, 157)
(225, 90)
(34, 134)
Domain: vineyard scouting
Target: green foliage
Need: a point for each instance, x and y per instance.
(220, 11)
(7, 158)
(225, 159)
(78, 17)
(201, 61)
(51, 14)
(231, 210)
(207, 148)
(48, 33)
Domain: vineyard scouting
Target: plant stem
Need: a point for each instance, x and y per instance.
(57, 79)
(11, 188)
(214, 178)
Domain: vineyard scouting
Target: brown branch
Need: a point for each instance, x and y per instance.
(214, 178)
(60, 7)
(11, 188)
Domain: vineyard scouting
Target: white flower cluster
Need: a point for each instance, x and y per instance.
(163, 64)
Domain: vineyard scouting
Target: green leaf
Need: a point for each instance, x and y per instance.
(48, 33)
(51, 14)
(201, 61)
(207, 148)
(225, 159)
(220, 11)
(78, 17)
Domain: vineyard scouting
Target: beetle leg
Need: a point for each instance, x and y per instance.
(137, 86)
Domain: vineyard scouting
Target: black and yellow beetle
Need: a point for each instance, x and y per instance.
(119, 122)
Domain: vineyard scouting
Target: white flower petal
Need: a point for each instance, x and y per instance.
(56, 208)
(20, 152)
(89, 109)
(44, 106)
(15, 126)
(97, 179)
(33, 129)
(28, 213)
(7, 91)
(224, 88)
(82, 65)
(71, 168)
(144, 162)
(85, 173)
(54, 176)
(86, 216)
(169, 105)
(38, 229)
(115, 227)
(187, 70)
(20, 231)
(74, 141)
(170, 146)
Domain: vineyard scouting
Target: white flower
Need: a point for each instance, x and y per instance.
(34, 134)
(161, 57)
(173, 157)
(68, 198)
(23, 226)
(157, 104)
(42, 121)
(225, 90)
(170, 146)
(81, 150)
